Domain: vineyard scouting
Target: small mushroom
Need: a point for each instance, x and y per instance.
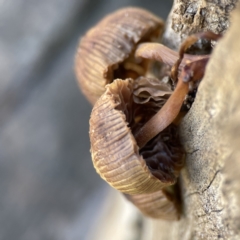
(115, 121)
(106, 51)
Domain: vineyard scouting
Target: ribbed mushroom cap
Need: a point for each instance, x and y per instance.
(106, 46)
(155, 205)
(115, 153)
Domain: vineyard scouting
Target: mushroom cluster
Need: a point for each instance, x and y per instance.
(139, 89)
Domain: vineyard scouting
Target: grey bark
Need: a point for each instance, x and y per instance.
(188, 17)
(210, 132)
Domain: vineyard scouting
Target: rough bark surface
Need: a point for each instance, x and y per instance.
(191, 16)
(210, 134)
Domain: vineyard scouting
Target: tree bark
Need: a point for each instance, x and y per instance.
(191, 16)
(210, 131)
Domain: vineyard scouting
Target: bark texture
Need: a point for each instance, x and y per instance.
(210, 132)
(188, 17)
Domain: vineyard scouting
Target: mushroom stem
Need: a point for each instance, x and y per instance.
(165, 115)
(160, 53)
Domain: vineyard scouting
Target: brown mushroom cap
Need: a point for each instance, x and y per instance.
(104, 47)
(115, 154)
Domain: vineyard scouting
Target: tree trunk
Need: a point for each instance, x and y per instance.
(210, 131)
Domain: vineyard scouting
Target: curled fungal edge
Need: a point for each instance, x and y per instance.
(106, 50)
